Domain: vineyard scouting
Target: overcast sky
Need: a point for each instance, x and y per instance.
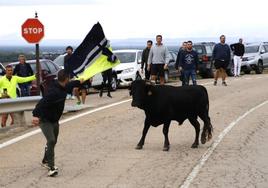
(122, 19)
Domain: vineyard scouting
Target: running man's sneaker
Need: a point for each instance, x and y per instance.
(52, 172)
(45, 165)
(224, 84)
(72, 97)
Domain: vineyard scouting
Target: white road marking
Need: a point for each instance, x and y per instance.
(210, 150)
(19, 138)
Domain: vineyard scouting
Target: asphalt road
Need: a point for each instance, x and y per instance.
(97, 150)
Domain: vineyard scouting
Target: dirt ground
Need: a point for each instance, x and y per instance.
(97, 150)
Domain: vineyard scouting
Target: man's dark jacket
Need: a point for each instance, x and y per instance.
(238, 49)
(17, 71)
(51, 106)
(144, 58)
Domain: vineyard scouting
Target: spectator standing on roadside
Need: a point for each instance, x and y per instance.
(189, 63)
(158, 60)
(106, 76)
(76, 89)
(8, 86)
(81, 89)
(23, 69)
(221, 55)
(47, 114)
(4, 95)
(238, 50)
(69, 52)
(181, 50)
(144, 59)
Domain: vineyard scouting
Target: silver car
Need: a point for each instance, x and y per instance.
(255, 58)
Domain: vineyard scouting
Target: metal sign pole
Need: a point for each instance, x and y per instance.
(37, 64)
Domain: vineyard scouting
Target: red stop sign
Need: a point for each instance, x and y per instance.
(32, 30)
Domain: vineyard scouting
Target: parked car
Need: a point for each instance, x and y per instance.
(129, 66)
(204, 51)
(255, 58)
(96, 81)
(49, 72)
(2, 70)
(171, 71)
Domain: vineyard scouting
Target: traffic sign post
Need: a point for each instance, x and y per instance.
(33, 31)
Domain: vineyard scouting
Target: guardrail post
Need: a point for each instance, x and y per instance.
(19, 119)
(18, 107)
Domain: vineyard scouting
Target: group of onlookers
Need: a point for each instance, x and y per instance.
(22, 75)
(155, 60)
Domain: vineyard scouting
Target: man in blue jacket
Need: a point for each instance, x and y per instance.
(189, 63)
(221, 55)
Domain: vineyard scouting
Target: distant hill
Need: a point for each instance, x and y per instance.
(126, 42)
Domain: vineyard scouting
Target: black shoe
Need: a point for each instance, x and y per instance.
(52, 172)
(224, 84)
(44, 164)
(109, 95)
(215, 83)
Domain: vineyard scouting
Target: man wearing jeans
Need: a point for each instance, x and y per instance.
(144, 59)
(239, 50)
(189, 63)
(181, 50)
(47, 113)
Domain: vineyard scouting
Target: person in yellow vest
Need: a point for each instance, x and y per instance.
(8, 86)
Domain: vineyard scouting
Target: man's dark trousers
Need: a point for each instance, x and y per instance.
(50, 131)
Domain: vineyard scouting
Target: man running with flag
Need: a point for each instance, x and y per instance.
(91, 57)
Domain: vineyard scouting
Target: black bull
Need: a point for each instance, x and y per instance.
(163, 103)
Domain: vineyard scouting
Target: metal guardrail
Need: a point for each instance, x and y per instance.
(19, 104)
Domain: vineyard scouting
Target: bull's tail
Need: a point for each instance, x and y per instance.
(206, 98)
(208, 128)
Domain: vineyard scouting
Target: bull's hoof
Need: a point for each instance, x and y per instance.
(194, 145)
(139, 147)
(166, 148)
(203, 137)
(209, 136)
